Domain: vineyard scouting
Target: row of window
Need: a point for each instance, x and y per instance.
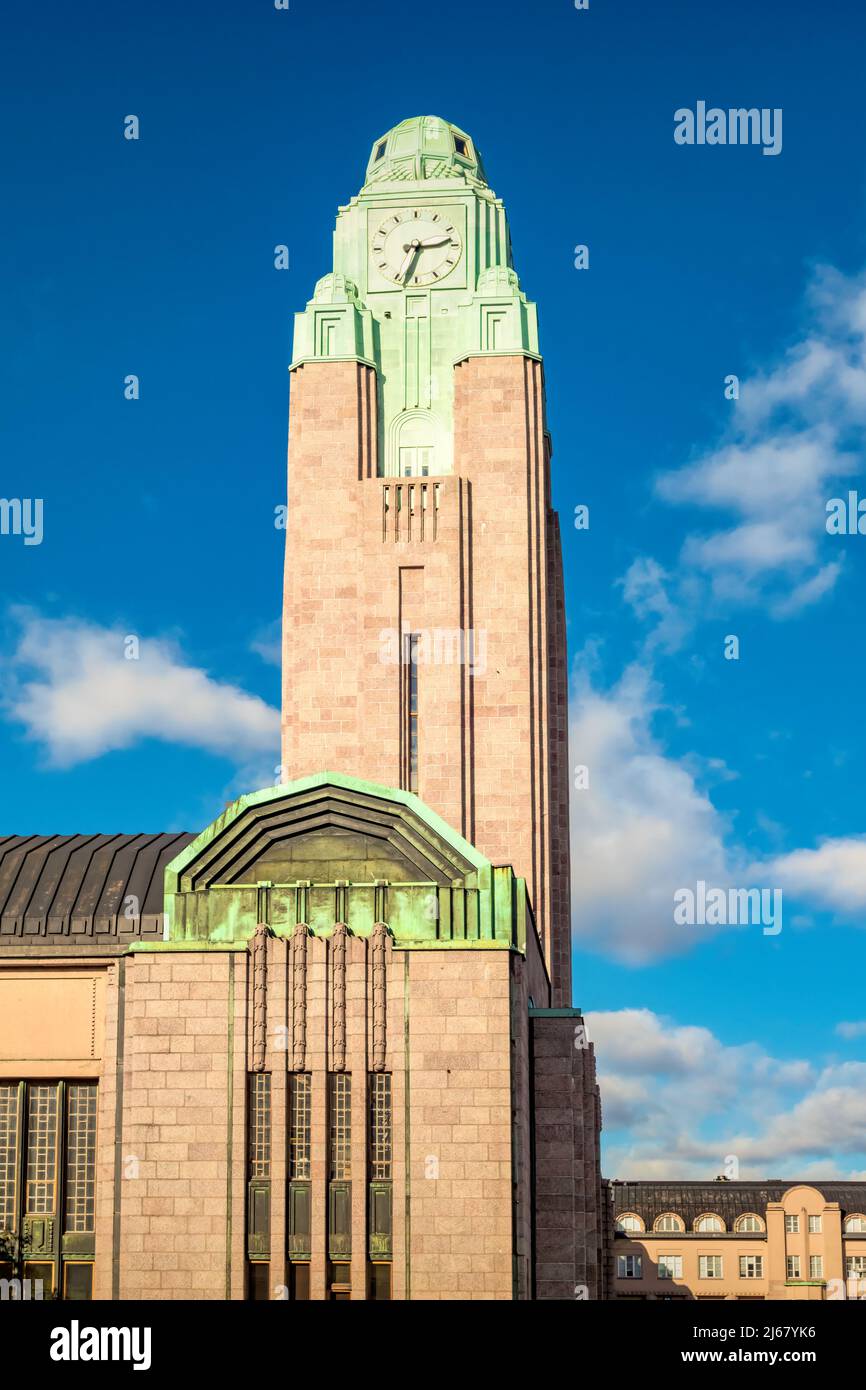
(339, 1126)
(47, 1188)
(710, 1223)
(339, 1177)
(461, 147)
(750, 1266)
(298, 1288)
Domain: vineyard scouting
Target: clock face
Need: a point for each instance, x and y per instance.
(416, 246)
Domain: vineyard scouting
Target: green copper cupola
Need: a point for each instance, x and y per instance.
(424, 147)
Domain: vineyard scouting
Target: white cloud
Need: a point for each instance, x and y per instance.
(852, 1030)
(683, 1100)
(645, 827)
(794, 434)
(268, 643)
(68, 682)
(641, 830)
(832, 876)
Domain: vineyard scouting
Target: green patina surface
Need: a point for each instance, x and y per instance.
(414, 332)
(332, 848)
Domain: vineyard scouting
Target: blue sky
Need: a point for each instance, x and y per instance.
(707, 516)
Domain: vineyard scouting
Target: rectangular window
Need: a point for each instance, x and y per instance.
(77, 1281)
(260, 1125)
(814, 1225)
(38, 1271)
(792, 1225)
(855, 1264)
(258, 1282)
(340, 1110)
(380, 1127)
(40, 1193)
(792, 1267)
(751, 1266)
(416, 461)
(379, 1283)
(710, 1266)
(341, 1282)
(816, 1266)
(80, 1161)
(411, 655)
(299, 1282)
(629, 1267)
(670, 1267)
(9, 1123)
(299, 1129)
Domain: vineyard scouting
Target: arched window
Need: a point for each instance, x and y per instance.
(669, 1221)
(416, 446)
(749, 1222)
(709, 1223)
(855, 1225)
(629, 1222)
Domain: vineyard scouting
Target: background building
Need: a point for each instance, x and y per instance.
(742, 1240)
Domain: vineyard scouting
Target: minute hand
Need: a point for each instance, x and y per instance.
(434, 241)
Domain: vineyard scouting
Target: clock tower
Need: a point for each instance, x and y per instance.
(424, 629)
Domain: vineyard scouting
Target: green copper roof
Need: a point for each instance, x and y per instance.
(331, 848)
(424, 147)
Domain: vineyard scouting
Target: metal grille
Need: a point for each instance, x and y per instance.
(81, 1158)
(260, 1125)
(41, 1150)
(341, 1126)
(299, 1130)
(9, 1124)
(380, 1127)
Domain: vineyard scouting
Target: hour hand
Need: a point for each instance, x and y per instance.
(410, 256)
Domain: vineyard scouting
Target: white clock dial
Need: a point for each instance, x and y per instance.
(416, 246)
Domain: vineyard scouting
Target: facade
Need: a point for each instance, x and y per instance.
(325, 1049)
(738, 1240)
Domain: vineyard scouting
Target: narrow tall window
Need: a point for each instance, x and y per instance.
(260, 1125)
(41, 1184)
(340, 1184)
(411, 655)
(380, 1127)
(9, 1124)
(379, 1187)
(81, 1158)
(341, 1126)
(259, 1184)
(299, 1129)
(299, 1213)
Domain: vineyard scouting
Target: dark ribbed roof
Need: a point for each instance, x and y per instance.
(728, 1199)
(83, 888)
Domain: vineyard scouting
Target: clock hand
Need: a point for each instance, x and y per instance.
(430, 241)
(411, 253)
